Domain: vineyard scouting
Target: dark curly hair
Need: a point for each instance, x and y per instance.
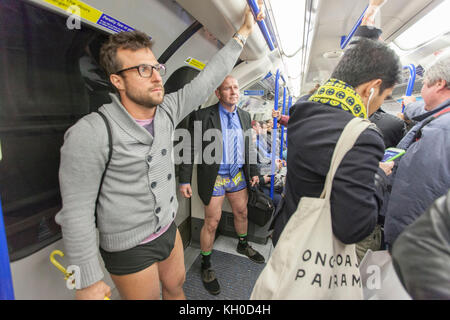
(133, 40)
(368, 60)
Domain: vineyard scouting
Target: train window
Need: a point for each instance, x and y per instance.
(176, 81)
(49, 78)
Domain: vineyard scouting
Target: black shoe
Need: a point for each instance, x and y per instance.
(210, 281)
(253, 255)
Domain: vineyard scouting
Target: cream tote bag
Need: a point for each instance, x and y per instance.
(309, 262)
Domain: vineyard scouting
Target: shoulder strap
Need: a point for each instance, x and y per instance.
(108, 129)
(418, 134)
(346, 141)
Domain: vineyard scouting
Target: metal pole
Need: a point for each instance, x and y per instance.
(6, 284)
(289, 104)
(412, 79)
(288, 112)
(274, 135)
(346, 39)
(282, 127)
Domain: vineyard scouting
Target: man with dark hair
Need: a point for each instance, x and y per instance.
(363, 78)
(135, 198)
(230, 176)
(372, 60)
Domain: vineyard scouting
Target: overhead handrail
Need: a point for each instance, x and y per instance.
(274, 135)
(262, 25)
(412, 79)
(6, 284)
(346, 39)
(283, 112)
(268, 75)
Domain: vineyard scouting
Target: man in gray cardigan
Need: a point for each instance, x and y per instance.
(139, 241)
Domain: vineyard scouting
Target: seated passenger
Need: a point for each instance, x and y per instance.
(423, 173)
(264, 139)
(314, 128)
(279, 180)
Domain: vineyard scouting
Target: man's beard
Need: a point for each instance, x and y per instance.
(143, 99)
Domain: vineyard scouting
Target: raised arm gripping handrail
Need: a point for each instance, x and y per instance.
(261, 24)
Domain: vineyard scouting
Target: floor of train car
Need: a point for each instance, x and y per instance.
(222, 245)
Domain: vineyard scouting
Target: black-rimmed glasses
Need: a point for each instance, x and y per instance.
(146, 70)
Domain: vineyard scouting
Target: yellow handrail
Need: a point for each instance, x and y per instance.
(60, 267)
(57, 264)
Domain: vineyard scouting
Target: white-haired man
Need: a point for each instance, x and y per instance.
(423, 173)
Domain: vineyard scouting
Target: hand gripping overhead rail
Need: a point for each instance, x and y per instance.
(262, 25)
(412, 79)
(346, 39)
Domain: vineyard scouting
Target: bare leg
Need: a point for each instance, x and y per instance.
(238, 201)
(142, 285)
(213, 212)
(172, 272)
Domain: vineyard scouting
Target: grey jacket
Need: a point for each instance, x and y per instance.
(420, 176)
(138, 195)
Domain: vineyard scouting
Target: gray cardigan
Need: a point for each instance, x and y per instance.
(138, 195)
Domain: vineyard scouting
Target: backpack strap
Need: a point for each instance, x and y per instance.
(110, 144)
(433, 117)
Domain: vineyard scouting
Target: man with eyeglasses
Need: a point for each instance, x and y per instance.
(134, 203)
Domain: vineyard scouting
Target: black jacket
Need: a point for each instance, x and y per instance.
(356, 198)
(392, 127)
(207, 173)
(421, 254)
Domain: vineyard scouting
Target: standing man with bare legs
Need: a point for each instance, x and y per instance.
(228, 178)
(132, 197)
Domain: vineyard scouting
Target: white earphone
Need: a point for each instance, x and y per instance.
(372, 91)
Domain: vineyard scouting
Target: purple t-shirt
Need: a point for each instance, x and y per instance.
(147, 124)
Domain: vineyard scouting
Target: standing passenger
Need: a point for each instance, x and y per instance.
(229, 177)
(139, 241)
(423, 173)
(363, 78)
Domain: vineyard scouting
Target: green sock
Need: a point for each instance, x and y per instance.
(206, 259)
(242, 239)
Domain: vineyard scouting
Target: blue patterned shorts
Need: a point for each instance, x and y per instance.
(225, 184)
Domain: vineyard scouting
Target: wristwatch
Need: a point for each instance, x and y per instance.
(240, 37)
